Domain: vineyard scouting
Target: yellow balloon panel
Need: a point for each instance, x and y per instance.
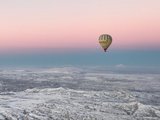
(105, 44)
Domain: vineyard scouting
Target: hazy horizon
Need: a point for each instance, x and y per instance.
(113, 58)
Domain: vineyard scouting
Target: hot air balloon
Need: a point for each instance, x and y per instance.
(105, 41)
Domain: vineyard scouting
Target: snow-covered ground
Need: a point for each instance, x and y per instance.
(73, 93)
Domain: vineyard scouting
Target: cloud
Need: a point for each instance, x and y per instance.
(120, 66)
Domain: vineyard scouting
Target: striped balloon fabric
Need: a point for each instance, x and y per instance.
(105, 41)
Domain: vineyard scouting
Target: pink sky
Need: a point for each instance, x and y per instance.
(43, 24)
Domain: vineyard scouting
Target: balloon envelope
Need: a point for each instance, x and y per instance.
(105, 41)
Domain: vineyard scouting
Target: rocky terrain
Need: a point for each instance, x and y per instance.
(73, 93)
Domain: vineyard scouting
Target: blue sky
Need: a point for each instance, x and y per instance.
(38, 25)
